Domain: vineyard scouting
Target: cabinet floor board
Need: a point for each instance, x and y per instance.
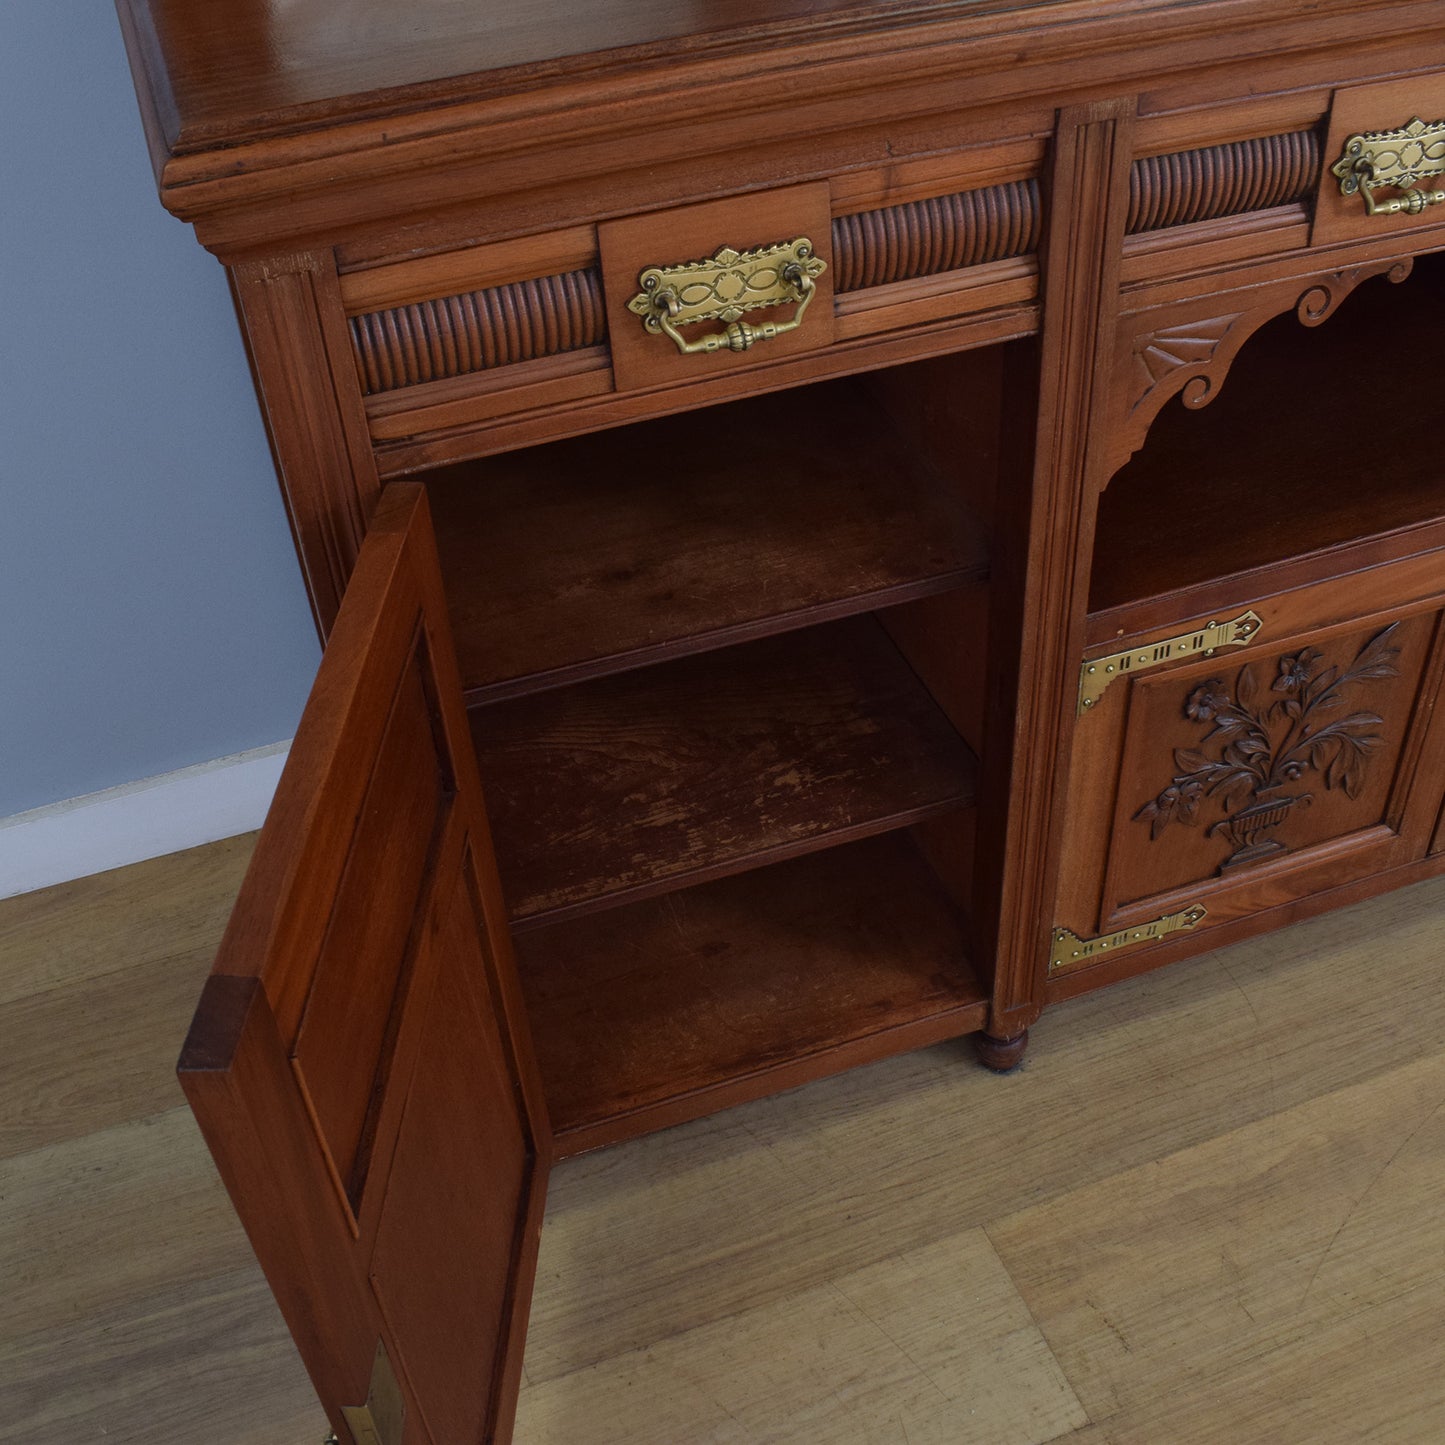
(631, 785)
(689, 532)
(679, 1005)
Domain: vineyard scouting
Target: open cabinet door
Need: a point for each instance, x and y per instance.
(359, 1063)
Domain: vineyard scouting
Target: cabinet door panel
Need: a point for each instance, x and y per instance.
(1232, 764)
(359, 1063)
(1236, 782)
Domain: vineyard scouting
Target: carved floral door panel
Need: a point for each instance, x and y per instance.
(1247, 776)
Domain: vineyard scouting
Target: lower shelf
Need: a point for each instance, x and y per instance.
(672, 1008)
(622, 787)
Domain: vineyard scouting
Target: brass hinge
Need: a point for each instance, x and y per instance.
(1070, 952)
(1098, 672)
(381, 1419)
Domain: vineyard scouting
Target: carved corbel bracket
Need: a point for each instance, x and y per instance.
(1191, 358)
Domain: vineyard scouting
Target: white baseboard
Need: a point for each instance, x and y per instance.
(145, 819)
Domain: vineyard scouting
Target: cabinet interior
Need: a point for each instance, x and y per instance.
(1320, 439)
(725, 673)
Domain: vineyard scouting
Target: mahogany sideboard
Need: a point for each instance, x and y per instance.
(836, 526)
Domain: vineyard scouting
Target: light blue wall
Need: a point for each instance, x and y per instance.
(151, 608)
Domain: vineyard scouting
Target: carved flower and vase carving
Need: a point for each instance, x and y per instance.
(1267, 740)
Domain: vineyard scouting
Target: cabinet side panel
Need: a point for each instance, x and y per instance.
(296, 334)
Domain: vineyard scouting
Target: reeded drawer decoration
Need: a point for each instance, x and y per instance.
(495, 326)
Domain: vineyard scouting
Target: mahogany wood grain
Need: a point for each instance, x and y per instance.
(934, 234)
(359, 1063)
(938, 322)
(1255, 174)
(1165, 123)
(668, 1009)
(1215, 245)
(1119, 871)
(1002, 1056)
(1290, 908)
(1179, 338)
(684, 598)
(634, 244)
(1273, 468)
(295, 331)
(485, 330)
(1049, 533)
(975, 158)
(637, 784)
(484, 402)
(372, 285)
(227, 66)
(1384, 106)
(692, 532)
(188, 61)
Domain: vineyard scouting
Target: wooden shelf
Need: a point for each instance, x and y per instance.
(647, 781)
(691, 532)
(668, 1009)
(1319, 437)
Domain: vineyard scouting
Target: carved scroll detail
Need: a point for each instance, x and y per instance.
(1194, 357)
(942, 233)
(1223, 180)
(479, 330)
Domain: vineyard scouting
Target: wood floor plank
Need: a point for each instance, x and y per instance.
(93, 1221)
(1377, 1377)
(1280, 1079)
(705, 1220)
(92, 1053)
(171, 907)
(1193, 1267)
(930, 1348)
(208, 1360)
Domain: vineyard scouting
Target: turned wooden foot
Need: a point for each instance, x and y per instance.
(1001, 1055)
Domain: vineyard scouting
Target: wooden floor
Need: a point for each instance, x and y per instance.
(1211, 1207)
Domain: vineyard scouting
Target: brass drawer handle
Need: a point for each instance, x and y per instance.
(1400, 158)
(722, 288)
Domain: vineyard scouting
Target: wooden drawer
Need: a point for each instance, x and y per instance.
(499, 343)
(1401, 124)
(752, 271)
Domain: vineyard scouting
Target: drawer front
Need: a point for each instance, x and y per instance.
(1383, 168)
(498, 343)
(715, 287)
(1277, 750)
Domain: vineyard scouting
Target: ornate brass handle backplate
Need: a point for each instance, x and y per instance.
(1394, 158)
(725, 286)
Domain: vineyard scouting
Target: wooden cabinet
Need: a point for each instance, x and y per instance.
(1258, 704)
(718, 451)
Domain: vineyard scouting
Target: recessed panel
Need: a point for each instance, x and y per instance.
(461, 1174)
(348, 1029)
(1231, 765)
